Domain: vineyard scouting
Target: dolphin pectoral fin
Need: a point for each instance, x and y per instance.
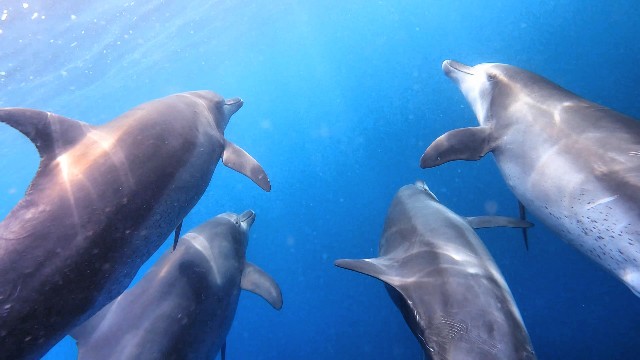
(478, 222)
(260, 283)
(523, 216)
(459, 144)
(376, 267)
(384, 269)
(51, 134)
(176, 236)
(239, 160)
(223, 351)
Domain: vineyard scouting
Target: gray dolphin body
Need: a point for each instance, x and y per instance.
(103, 200)
(572, 163)
(184, 306)
(444, 281)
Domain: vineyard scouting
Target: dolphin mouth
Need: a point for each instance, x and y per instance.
(247, 218)
(420, 184)
(233, 101)
(451, 67)
(231, 106)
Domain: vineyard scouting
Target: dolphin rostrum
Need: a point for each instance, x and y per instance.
(574, 164)
(184, 306)
(444, 281)
(103, 200)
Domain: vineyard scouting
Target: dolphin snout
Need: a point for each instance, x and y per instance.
(247, 218)
(452, 68)
(233, 101)
(231, 106)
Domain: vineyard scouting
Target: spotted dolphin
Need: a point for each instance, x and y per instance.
(184, 306)
(102, 201)
(572, 163)
(444, 281)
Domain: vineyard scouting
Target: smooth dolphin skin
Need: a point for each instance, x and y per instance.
(572, 163)
(184, 306)
(103, 200)
(444, 281)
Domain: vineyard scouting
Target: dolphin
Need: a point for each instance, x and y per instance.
(444, 281)
(573, 163)
(184, 306)
(103, 200)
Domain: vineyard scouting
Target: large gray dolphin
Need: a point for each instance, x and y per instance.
(184, 306)
(572, 163)
(444, 281)
(103, 200)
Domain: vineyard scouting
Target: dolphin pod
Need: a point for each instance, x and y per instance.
(184, 306)
(105, 197)
(572, 163)
(103, 200)
(444, 281)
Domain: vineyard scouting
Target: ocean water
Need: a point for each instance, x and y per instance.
(341, 99)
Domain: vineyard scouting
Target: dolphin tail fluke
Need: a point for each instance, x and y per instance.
(459, 144)
(239, 160)
(260, 283)
(51, 134)
(523, 216)
(478, 222)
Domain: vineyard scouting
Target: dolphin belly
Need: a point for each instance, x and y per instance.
(597, 219)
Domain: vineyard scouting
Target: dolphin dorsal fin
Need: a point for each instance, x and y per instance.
(460, 144)
(51, 134)
(478, 222)
(260, 283)
(376, 267)
(239, 160)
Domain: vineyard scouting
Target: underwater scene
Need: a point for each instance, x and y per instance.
(187, 151)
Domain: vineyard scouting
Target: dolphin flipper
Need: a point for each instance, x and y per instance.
(459, 144)
(478, 222)
(260, 283)
(523, 216)
(51, 134)
(376, 267)
(239, 160)
(176, 236)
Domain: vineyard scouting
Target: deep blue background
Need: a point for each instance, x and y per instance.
(341, 99)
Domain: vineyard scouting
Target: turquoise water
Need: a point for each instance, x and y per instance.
(341, 99)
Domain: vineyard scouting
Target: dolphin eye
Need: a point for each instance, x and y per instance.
(491, 77)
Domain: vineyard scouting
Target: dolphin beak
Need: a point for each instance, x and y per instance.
(454, 69)
(247, 218)
(423, 186)
(231, 106)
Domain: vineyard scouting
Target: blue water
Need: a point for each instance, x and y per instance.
(341, 99)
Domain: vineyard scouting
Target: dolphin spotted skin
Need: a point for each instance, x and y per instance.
(184, 306)
(572, 163)
(103, 200)
(444, 281)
